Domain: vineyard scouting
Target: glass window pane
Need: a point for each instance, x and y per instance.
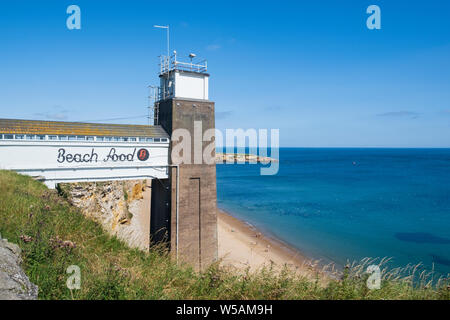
(100, 138)
(157, 140)
(40, 137)
(63, 137)
(9, 136)
(30, 137)
(71, 138)
(52, 138)
(90, 138)
(19, 136)
(149, 139)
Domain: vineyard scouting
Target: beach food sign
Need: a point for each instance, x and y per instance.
(113, 155)
(58, 162)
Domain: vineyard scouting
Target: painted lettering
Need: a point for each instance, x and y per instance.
(63, 156)
(113, 156)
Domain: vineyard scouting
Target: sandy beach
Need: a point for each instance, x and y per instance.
(242, 246)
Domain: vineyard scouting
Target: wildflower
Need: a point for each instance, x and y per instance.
(26, 238)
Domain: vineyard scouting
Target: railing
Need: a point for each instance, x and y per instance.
(171, 63)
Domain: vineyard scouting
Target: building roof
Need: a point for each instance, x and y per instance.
(14, 126)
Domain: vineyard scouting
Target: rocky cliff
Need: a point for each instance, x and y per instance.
(14, 284)
(121, 207)
(240, 157)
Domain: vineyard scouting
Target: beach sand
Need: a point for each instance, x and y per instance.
(242, 246)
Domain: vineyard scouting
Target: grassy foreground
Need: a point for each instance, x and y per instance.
(54, 235)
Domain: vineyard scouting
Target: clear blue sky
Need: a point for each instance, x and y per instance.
(310, 68)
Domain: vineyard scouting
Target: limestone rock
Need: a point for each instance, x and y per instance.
(14, 284)
(119, 206)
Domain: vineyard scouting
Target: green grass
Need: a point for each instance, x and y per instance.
(39, 220)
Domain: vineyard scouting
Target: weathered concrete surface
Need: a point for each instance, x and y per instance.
(14, 284)
(121, 207)
(197, 206)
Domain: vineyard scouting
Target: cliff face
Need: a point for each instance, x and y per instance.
(14, 284)
(121, 207)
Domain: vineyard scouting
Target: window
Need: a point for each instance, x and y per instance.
(9, 136)
(157, 140)
(72, 138)
(163, 139)
(133, 139)
(90, 138)
(19, 136)
(124, 139)
(62, 138)
(149, 139)
(52, 137)
(40, 137)
(100, 138)
(81, 138)
(30, 137)
(108, 139)
(1, 136)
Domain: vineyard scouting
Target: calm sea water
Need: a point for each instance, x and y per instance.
(339, 204)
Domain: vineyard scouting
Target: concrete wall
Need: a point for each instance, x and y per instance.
(196, 240)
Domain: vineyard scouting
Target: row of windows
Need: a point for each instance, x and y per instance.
(78, 138)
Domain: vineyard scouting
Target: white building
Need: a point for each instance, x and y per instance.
(73, 152)
(184, 80)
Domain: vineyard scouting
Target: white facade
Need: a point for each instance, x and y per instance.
(191, 85)
(185, 84)
(77, 161)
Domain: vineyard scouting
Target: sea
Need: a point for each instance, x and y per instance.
(341, 205)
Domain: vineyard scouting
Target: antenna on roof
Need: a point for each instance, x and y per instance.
(168, 36)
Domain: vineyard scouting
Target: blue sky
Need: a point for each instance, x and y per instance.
(309, 68)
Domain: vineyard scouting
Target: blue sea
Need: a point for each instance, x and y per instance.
(346, 204)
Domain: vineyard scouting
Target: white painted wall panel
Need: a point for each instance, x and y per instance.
(85, 161)
(191, 86)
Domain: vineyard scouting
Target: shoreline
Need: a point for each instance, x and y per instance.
(243, 246)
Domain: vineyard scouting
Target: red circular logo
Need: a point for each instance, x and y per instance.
(143, 154)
